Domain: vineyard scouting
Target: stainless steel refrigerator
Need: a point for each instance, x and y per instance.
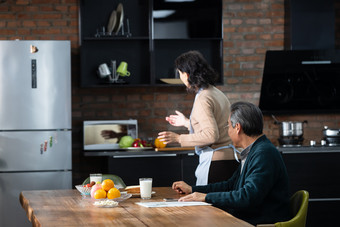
(35, 122)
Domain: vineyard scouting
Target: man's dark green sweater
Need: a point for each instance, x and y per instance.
(259, 194)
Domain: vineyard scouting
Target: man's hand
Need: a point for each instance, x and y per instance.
(182, 187)
(196, 196)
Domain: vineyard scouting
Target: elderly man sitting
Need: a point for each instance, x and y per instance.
(258, 191)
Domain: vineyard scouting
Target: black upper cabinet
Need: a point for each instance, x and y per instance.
(152, 33)
(187, 19)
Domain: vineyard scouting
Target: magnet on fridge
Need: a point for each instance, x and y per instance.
(45, 146)
(51, 141)
(41, 148)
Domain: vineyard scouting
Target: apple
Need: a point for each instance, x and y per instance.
(95, 188)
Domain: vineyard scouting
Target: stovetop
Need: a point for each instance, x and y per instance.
(303, 148)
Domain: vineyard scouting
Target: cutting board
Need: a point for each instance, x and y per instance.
(175, 149)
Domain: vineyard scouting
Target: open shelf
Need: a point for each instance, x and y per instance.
(154, 40)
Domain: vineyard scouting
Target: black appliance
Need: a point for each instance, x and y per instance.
(331, 136)
(301, 81)
(288, 141)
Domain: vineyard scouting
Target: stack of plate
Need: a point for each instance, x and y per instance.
(116, 20)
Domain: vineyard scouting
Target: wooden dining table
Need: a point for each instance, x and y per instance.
(69, 208)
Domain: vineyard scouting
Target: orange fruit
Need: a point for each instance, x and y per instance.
(113, 193)
(159, 144)
(100, 194)
(107, 184)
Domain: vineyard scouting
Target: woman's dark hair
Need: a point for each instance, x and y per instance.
(248, 116)
(201, 74)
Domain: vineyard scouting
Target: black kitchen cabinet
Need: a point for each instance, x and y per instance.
(316, 170)
(160, 30)
(189, 165)
(163, 169)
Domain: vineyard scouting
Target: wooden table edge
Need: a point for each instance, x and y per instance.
(29, 210)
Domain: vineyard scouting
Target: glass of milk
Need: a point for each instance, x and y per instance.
(145, 187)
(96, 177)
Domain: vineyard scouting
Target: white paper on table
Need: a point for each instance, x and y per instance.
(172, 204)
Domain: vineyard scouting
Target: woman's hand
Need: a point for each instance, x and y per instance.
(196, 196)
(178, 120)
(182, 187)
(168, 137)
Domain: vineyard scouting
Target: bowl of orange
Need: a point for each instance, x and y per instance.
(105, 190)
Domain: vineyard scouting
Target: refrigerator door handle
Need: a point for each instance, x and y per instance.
(34, 73)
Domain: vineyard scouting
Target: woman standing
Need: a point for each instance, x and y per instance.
(207, 125)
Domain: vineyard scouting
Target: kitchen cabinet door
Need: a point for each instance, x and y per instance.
(316, 171)
(163, 169)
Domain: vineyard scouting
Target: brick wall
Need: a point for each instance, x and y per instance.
(250, 28)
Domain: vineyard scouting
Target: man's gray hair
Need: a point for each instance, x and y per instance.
(248, 116)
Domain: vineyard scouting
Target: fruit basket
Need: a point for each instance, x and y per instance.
(84, 190)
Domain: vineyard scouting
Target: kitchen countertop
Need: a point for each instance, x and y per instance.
(308, 149)
(175, 151)
(122, 153)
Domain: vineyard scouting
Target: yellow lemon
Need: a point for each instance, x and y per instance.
(113, 193)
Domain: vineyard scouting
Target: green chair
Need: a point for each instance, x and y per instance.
(119, 183)
(298, 210)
